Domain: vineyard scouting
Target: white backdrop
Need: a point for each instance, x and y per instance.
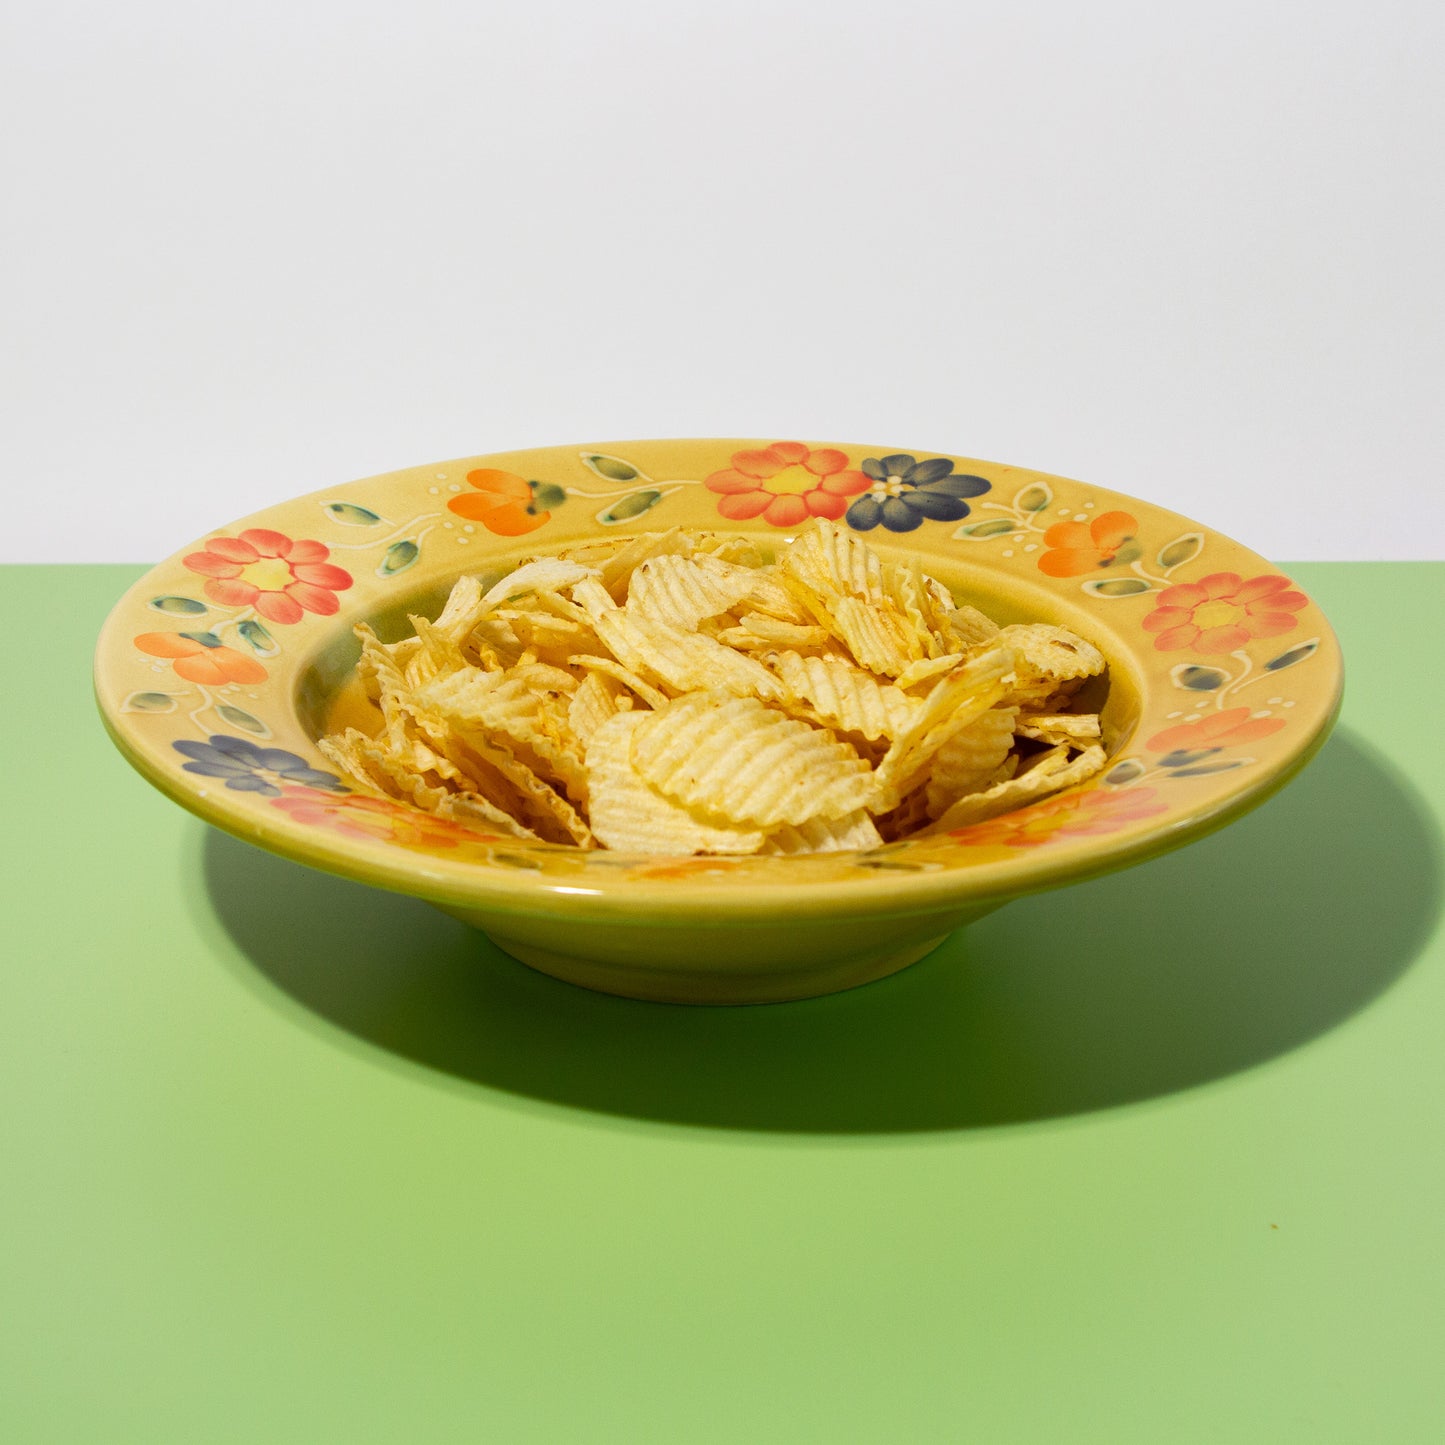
(1190, 252)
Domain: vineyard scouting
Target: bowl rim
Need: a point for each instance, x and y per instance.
(609, 895)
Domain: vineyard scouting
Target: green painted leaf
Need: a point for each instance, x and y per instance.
(149, 702)
(546, 495)
(1295, 654)
(1203, 770)
(206, 639)
(614, 469)
(1181, 550)
(1034, 498)
(634, 504)
(350, 515)
(1194, 678)
(982, 531)
(179, 606)
(261, 641)
(1125, 771)
(1117, 587)
(238, 717)
(397, 558)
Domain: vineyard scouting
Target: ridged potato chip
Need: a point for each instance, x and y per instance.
(675, 693)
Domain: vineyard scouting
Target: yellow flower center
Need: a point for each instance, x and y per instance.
(270, 574)
(1218, 614)
(791, 481)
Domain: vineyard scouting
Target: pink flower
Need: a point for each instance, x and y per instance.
(281, 578)
(1222, 612)
(786, 484)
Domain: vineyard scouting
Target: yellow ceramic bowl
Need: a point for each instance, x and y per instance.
(217, 672)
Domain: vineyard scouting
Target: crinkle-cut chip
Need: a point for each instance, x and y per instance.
(742, 551)
(594, 554)
(1076, 728)
(462, 610)
(592, 704)
(843, 696)
(878, 636)
(825, 835)
(904, 584)
(498, 775)
(543, 630)
(682, 661)
(1054, 653)
(739, 758)
(644, 689)
(908, 817)
(632, 816)
(521, 709)
(593, 598)
(829, 558)
(756, 631)
(682, 592)
(954, 702)
(768, 595)
(417, 776)
(968, 760)
(617, 570)
(1049, 773)
(545, 574)
(962, 625)
(928, 670)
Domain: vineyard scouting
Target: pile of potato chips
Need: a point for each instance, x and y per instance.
(674, 693)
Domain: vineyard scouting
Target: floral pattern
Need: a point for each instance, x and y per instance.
(1051, 530)
(507, 504)
(785, 484)
(281, 578)
(246, 768)
(904, 492)
(1086, 814)
(1075, 548)
(202, 658)
(1222, 612)
(356, 815)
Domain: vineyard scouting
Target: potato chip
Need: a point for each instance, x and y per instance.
(736, 757)
(969, 759)
(843, 696)
(825, 835)
(1050, 774)
(629, 814)
(675, 693)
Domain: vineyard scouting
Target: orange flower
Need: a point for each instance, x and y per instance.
(356, 815)
(1076, 548)
(1071, 815)
(1228, 729)
(503, 503)
(1222, 612)
(786, 484)
(281, 578)
(208, 663)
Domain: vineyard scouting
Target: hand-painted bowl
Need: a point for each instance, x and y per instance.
(217, 672)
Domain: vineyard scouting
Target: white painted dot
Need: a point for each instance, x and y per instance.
(1274, 701)
(453, 488)
(1178, 712)
(462, 541)
(1007, 552)
(1032, 547)
(1063, 511)
(1288, 704)
(467, 527)
(1088, 506)
(158, 667)
(253, 695)
(441, 476)
(1260, 712)
(1017, 537)
(201, 792)
(448, 524)
(1193, 716)
(433, 490)
(1080, 517)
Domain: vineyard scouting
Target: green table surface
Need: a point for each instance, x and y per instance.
(1153, 1159)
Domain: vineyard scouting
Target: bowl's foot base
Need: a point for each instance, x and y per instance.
(676, 983)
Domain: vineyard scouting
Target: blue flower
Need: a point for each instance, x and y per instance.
(905, 491)
(245, 767)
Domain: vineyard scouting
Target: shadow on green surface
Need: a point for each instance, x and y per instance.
(1182, 970)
